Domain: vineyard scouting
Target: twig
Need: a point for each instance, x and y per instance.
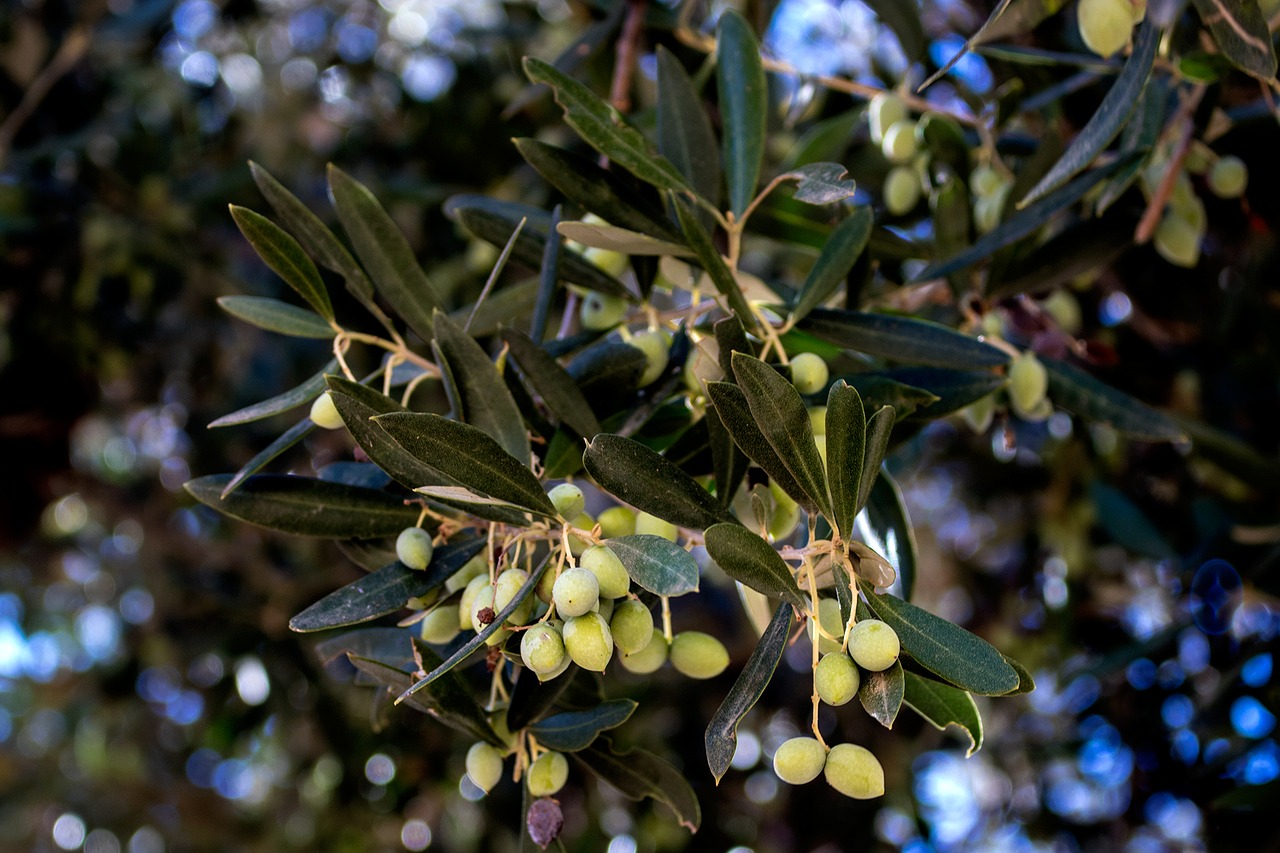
(1155, 208)
(627, 48)
(71, 52)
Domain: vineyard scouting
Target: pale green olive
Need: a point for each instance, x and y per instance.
(873, 645)
(542, 648)
(836, 679)
(602, 562)
(324, 413)
(656, 346)
(698, 655)
(617, 521)
(799, 760)
(1027, 383)
(1228, 177)
(548, 774)
(440, 625)
(568, 500)
(648, 659)
(854, 771)
(651, 524)
(484, 765)
(809, 373)
(575, 592)
(901, 190)
(1105, 25)
(631, 626)
(588, 641)
(414, 548)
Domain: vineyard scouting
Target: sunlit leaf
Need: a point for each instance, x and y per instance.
(276, 316)
(615, 239)
(656, 564)
(744, 106)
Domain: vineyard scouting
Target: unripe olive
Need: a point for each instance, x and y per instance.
(698, 655)
(987, 210)
(469, 594)
(583, 521)
(884, 111)
(854, 771)
(608, 260)
(604, 607)
(820, 441)
(873, 645)
(901, 190)
(646, 523)
(576, 591)
(783, 521)
(473, 568)
(829, 618)
(980, 413)
(631, 626)
(414, 548)
(567, 499)
(617, 521)
(836, 679)
(588, 641)
(546, 586)
(1105, 25)
(1228, 177)
(1064, 309)
(985, 180)
(542, 648)
(648, 659)
(440, 625)
(484, 765)
(656, 348)
(600, 311)
(548, 774)
(1028, 382)
(809, 373)
(899, 143)
(602, 562)
(508, 583)
(324, 413)
(1178, 241)
(799, 760)
(818, 420)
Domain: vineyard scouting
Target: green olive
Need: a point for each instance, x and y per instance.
(631, 626)
(656, 346)
(698, 655)
(548, 774)
(799, 760)
(440, 625)
(1105, 25)
(836, 679)
(414, 548)
(648, 659)
(588, 641)
(602, 562)
(484, 765)
(854, 771)
(901, 190)
(542, 648)
(324, 413)
(651, 524)
(1228, 177)
(809, 373)
(873, 645)
(568, 500)
(575, 592)
(1028, 382)
(617, 521)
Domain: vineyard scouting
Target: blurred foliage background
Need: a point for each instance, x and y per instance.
(151, 696)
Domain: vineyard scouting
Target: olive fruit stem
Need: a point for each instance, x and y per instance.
(666, 618)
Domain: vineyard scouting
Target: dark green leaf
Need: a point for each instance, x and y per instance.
(598, 190)
(548, 279)
(846, 445)
(721, 738)
(287, 439)
(885, 528)
(1025, 222)
(494, 221)
(876, 445)
(391, 645)
(282, 253)
(901, 339)
(881, 694)
(572, 57)
(651, 482)
(844, 590)
(946, 143)
(622, 240)
(1110, 116)
(276, 316)
(744, 107)
(731, 338)
(826, 140)
(823, 183)
(729, 464)
(552, 383)
(571, 731)
(657, 564)
(306, 507)
(750, 560)
(782, 418)
(601, 127)
(878, 390)
(294, 397)
(904, 20)
(710, 260)
(385, 590)
(608, 374)
(448, 700)
(734, 413)
(385, 252)
(478, 641)
(485, 401)
(503, 306)
(945, 649)
(847, 242)
(1140, 136)
(638, 774)
(1127, 524)
(952, 389)
(532, 697)
(943, 705)
(685, 136)
(1088, 245)
(469, 456)
(1241, 31)
(1080, 393)
(951, 219)
(1025, 682)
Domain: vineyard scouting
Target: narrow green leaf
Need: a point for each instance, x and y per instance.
(657, 564)
(731, 338)
(570, 731)
(1139, 136)
(886, 529)
(1087, 245)
(532, 698)
(486, 402)
(1080, 393)
(552, 383)
(263, 457)
(744, 107)
(1127, 524)
(823, 183)
(1233, 455)
(306, 507)
(876, 445)
(685, 136)
(750, 560)
(478, 641)
(280, 251)
(548, 279)
(734, 413)
(386, 590)
(276, 316)
(847, 242)
(469, 456)
(494, 221)
(782, 418)
(944, 648)
(615, 239)
(728, 462)
(291, 399)
(390, 645)
(650, 482)
(904, 20)
(1025, 222)
(385, 252)
(943, 705)
(950, 205)
(846, 444)
(448, 700)
(313, 234)
(604, 129)
(952, 390)
(973, 40)
(721, 738)
(877, 390)
(844, 590)
(571, 58)
(710, 260)
(1025, 682)
(507, 304)
(608, 374)
(1242, 32)
(638, 774)
(1110, 116)
(598, 190)
(881, 694)
(901, 339)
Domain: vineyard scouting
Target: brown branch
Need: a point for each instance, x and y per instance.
(1155, 208)
(628, 47)
(71, 51)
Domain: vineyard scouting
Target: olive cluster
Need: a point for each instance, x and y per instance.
(899, 138)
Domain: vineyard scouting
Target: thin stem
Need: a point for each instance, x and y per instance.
(666, 618)
(627, 49)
